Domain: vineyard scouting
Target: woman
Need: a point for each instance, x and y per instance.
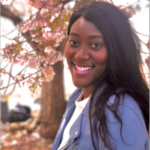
(109, 110)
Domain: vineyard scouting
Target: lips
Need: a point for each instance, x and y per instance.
(82, 68)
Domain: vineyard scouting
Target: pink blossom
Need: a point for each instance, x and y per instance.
(40, 59)
(41, 19)
(48, 35)
(58, 29)
(48, 73)
(47, 70)
(47, 59)
(23, 60)
(32, 63)
(38, 39)
(10, 51)
(39, 26)
(25, 27)
(57, 57)
(33, 34)
(37, 3)
(60, 38)
(48, 49)
(52, 18)
(56, 45)
(47, 29)
(42, 23)
(22, 63)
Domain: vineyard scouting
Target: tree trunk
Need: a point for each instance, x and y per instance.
(53, 103)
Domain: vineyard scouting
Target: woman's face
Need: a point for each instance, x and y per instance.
(86, 54)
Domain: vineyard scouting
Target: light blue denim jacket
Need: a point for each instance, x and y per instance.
(133, 132)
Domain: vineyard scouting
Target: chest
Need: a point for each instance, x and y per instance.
(80, 135)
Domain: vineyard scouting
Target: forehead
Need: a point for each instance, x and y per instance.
(81, 26)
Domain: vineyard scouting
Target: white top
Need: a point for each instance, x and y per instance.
(78, 109)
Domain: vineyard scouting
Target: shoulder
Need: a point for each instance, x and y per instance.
(127, 105)
(125, 100)
(133, 126)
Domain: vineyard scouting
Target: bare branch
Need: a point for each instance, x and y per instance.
(9, 32)
(5, 12)
(28, 75)
(8, 80)
(5, 65)
(142, 34)
(3, 95)
(23, 69)
(144, 52)
(20, 80)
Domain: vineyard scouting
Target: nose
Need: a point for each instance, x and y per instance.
(82, 53)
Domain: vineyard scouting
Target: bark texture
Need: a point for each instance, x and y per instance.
(53, 104)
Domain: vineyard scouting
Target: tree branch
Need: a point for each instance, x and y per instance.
(6, 12)
(142, 34)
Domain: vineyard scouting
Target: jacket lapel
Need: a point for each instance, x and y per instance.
(74, 133)
(69, 110)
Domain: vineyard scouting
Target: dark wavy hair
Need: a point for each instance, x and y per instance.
(123, 69)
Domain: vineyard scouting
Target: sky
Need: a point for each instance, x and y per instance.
(24, 96)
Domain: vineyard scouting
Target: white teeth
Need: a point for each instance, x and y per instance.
(82, 68)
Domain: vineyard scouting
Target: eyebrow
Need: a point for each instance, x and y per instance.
(91, 36)
(75, 34)
(95, 36)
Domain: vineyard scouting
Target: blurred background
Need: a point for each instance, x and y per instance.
(20, 99)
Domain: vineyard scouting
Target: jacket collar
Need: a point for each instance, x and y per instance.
(76, 94)
(74, 97)
(75, 129)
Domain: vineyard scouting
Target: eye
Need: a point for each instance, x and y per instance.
(95, 45)
(73, 43)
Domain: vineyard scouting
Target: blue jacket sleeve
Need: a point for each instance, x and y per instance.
(134, 133)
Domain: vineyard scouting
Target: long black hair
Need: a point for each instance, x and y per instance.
(123, 69)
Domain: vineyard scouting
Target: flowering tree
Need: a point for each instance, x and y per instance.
(44, 31)
(39, 46)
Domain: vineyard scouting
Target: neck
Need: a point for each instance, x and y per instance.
(87, 92)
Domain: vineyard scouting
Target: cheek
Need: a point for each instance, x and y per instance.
(100, 56)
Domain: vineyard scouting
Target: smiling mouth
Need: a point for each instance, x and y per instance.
(82, 69)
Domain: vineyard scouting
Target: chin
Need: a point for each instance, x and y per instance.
(80, 84)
